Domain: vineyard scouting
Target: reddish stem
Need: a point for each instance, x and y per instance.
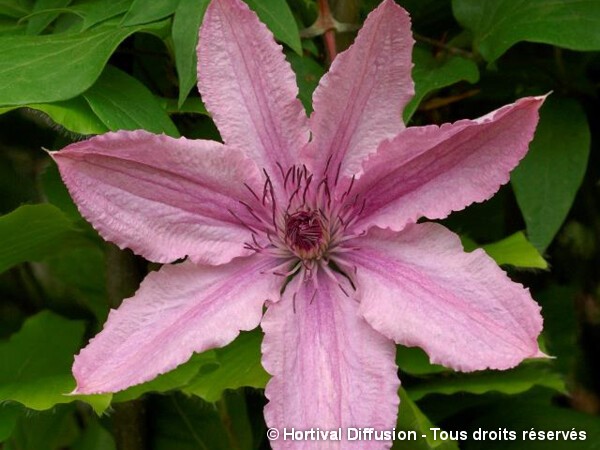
(328, 24)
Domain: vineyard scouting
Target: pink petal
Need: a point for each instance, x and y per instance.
(330, 368)
(164, 198)
(359, 102)
(431, 171)
(181, 309)
(249, 87)
(419, 288)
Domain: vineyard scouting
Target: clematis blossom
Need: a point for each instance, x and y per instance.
(315, 219)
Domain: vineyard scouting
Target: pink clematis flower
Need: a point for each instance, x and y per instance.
(336, 213)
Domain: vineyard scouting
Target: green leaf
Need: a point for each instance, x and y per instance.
(191, 105)
(48, 430)
(94, 437)
(11, 27)
(50, 68)
(186, 23)
(36, 363)
(513, 381)
(123, 103)
(94, 12)
(73, 114)
(239, 365)
(33, 232)
(517, 251)
(9, 414)
(144, 11)
(174, 379)
(561, 329)
(547, 180)
(233, 412)
(308, 73)
(78, 276)
(276, 15)
(435, 72)
(412, 419)
(57, 194)
(189, 423)
(499, 24)
(415, 361)
(14, 8)
(526, 414)
(44, 12)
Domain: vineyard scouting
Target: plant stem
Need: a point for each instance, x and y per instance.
(123, 276)
(448, 48)
(346, 12)
(329, 36)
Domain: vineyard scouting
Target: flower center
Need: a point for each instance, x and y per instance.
(305, 234)
(304, 222)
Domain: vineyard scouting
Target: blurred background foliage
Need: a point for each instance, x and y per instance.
(73, 68)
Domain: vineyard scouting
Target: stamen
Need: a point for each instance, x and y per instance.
(308, 181)
(343, 290)
(287, 176)
(347, 191)
(280, 169)
(252, 192)
(327, 165)
(243, 223)
(337, 174)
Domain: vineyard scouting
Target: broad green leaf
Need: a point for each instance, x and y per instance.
(56, 192)
(561, 329)
(11, 27)
(9, 414)
(415, 361)
(186, 23)
(14, 8)
(36, 363)
(145, 11)
(239, 365)
(48, 430)
(174, 379)
(234, 414)
(499, 24)
(517, 251)
(191, 105)
(308, 73)
(276, 15)
(94, 437)
(123, 103)
(73, 114)
(435, 72)
(16, 189)
(547, 180)
(412, 419)
(514, 250)
(78, 276)
(33, 232)
(525, 414)
(50, 68)
(44, 12)
(94, 12)
(189, 423)
(514, 381)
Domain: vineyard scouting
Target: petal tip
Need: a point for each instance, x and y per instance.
(541, 355)
(74, 392)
